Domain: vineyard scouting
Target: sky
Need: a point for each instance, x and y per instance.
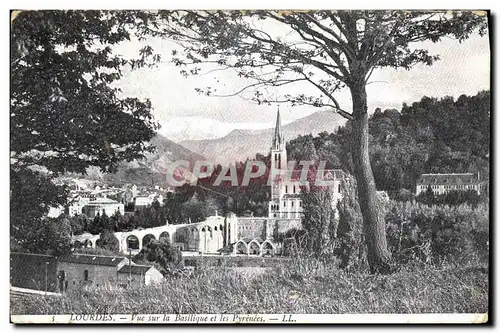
(463, 68)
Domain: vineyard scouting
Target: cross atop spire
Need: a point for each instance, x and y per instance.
(278, 135)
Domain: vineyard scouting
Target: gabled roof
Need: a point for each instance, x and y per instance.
(88, 259)
(258, 239)
(447, 178)
(246, 239)
(101, 201)
(136, 269)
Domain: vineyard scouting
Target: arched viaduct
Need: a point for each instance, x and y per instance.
(207, 236)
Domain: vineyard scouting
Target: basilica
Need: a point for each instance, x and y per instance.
(285, 200)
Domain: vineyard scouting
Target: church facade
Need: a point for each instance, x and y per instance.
(286, 186)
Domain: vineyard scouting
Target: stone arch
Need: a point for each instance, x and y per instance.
(148, 238)
(87, 243)
(77, 244)
(267, 248)
(164, 234)
(241, 247)
(132, 242)
(254, 248)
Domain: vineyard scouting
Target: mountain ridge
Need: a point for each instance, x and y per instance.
(240, 144)
(153, 167)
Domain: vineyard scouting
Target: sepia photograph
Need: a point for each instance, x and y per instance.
(249, 166)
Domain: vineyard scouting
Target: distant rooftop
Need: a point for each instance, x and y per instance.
(88, 259)
(448, 178)
(136, 269)
(100, 201)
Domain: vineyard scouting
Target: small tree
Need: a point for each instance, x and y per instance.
(108, 241)
(163, 253)
(96, 226)
(349, 246)
(427, 197)
(319, 220)
(47, 236)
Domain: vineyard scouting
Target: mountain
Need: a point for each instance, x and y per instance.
(242, 143)
(202, 128)
(152, 169)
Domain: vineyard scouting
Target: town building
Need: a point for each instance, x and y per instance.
(442, 183)
(77, 203)
(142, 201)
(285, 184)
(75, 271)
(102, 205)
(135, 275)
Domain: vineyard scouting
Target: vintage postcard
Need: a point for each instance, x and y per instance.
(249, 166)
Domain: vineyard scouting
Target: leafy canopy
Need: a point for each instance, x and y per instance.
(65, 113)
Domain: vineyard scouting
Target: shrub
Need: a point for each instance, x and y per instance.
(435, 234)
(162, 253)
(108, 241)
(349, 247)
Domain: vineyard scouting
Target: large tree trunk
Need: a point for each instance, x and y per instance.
(373, 222)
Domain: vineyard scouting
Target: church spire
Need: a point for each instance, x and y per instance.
(278, 136)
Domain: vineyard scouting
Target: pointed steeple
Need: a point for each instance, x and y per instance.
(278, 136)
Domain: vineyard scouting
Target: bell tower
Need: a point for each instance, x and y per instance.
(278, 149)
(278, 159)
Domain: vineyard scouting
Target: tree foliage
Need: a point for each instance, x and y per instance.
(319, 221)
(406, 143)
(46, 236)
(65, 113)
(108, 241)
(163, 253)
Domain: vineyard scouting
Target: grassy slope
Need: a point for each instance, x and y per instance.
(302, 288)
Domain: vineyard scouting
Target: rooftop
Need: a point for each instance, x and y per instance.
(136, 269)
(88, 259)
(100, 201)
(448, 178)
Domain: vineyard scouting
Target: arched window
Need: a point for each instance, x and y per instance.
(241, 247)
(164, 235)
(148, 238)
(132, 242)
(254, 248)
(267, 248)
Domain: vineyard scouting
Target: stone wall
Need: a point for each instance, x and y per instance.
(253, 227)
(28, 271)
(98, 275)
(280, 226)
